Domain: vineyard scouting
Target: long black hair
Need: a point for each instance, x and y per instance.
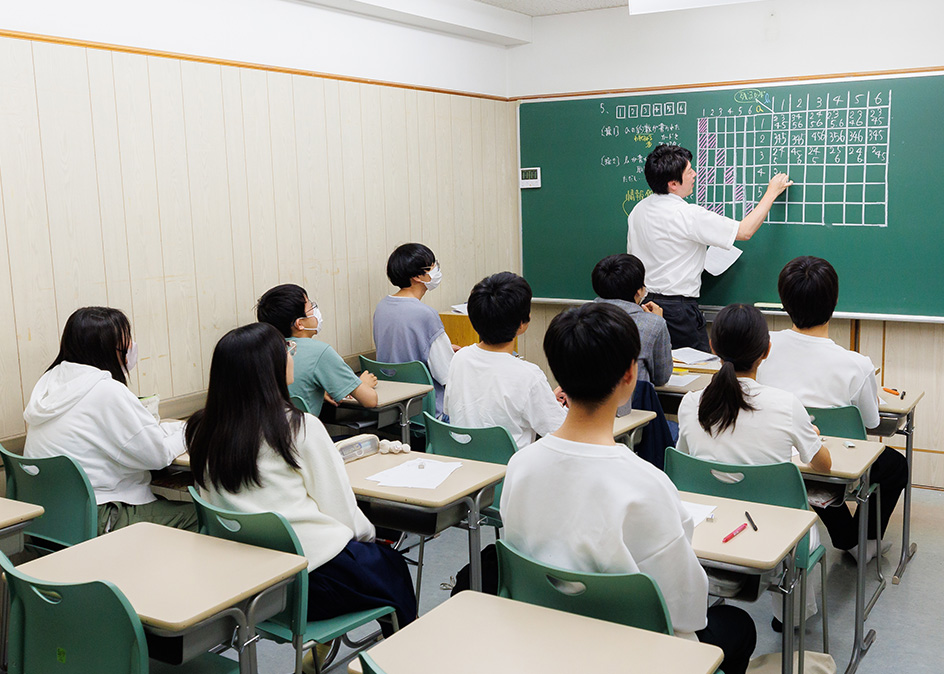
(739, 337)
(247, 404)
(96, 336)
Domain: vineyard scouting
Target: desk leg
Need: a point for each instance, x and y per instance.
(789, 583)
(475, 543)
(405, 422)
(908, 548)
(861, 644)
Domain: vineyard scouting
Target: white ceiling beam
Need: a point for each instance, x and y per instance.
(464, 18)
(650, 6)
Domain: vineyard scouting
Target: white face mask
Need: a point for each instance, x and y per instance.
(435, 278)
(315, 313)
(131, 356)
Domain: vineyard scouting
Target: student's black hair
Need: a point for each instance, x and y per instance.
(247, 404)
(666, 163)
(589, 349)
(96, 336)
(498, 305)
(281, 306)
(739, 337)
(618, 277)
(809, 290)
(407, 261)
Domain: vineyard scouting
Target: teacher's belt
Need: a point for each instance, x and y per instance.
(677, 299)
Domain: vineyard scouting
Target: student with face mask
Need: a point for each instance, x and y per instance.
(405, 329)
(82, 407)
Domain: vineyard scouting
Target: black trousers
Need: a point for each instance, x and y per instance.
(890, 471)
(684, 319)
(732, 630)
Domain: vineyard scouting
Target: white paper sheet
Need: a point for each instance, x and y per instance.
(418, 473)
(698, 511)
(461, 308)
(690, 356)
(681, 379)
(718, 260)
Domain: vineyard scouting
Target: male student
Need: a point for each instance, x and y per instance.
(620, 280)
(488, 384)
(806, 362)
(405, 329)
(319, 370)
(577, 500)
(671, 236)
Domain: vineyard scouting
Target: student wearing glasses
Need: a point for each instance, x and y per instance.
(320, 372)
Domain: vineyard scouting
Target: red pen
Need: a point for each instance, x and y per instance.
(734, 533)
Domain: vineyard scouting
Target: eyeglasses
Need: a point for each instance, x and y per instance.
(291, 348)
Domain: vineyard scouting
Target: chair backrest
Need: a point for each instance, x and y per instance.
(265, 530)
(368, 665)
(632, 599)
(62, 488)
(300, 404)
(779, 484)
(842, 422)
(411, 372)
(62, 627)
(493, 444)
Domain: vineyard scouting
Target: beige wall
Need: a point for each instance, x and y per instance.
(180, 191)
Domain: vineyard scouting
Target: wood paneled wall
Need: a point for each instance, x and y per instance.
(180, 191)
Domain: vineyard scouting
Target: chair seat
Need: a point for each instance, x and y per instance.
(323, 631)
(209, 663)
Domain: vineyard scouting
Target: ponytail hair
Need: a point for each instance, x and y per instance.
(739, 337)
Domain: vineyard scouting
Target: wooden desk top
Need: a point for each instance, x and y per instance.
(893, 404)
(633, 420)
(472, 476)
(173, 578)
(15, 512)
(849, 463)
(182, 460)
(778, 530)
(391, 393)
(521, 638)
(696, 385)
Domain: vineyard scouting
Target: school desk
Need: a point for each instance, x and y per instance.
(523, 637)
(624, 428)
(400, 399)
(757, 554)
(460, 331)
(850, 468)
(186, 588)
(14, 517)
(896, 410)
(702, 380)
(428, 511)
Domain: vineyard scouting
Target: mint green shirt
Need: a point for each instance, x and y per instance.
(319, 369)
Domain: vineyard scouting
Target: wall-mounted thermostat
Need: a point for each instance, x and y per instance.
(530, 178)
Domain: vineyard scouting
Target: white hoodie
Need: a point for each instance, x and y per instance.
(80, 411)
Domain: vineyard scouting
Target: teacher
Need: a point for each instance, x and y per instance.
(671, 236)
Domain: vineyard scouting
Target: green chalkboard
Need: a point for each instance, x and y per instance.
(865, 155)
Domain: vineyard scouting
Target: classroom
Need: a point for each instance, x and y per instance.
(175, 160)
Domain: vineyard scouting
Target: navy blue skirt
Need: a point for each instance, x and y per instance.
(362, 576)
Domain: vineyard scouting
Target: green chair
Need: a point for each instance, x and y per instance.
(412, 372)
(632, 599)
(62, 488)
(83, 628)
(841, 422)
(300, 404)
(271, 530)
(368, 665)
(779, 484)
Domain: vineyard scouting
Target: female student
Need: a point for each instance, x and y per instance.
(82, 407)
(737, 420)
(252, 451)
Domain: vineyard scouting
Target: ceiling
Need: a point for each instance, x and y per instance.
(547, 7)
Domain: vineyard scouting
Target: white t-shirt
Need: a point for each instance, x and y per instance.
(316, 499)
(440, 357)
(671, 236)
(766, 435)
(497, 389)
(602, 509)
(821, 373)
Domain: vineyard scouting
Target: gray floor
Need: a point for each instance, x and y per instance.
(908, 618)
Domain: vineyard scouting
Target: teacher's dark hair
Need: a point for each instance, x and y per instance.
(96, 336)
(809, 290)
(739, 337)
(664, 164)
(247, 405)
